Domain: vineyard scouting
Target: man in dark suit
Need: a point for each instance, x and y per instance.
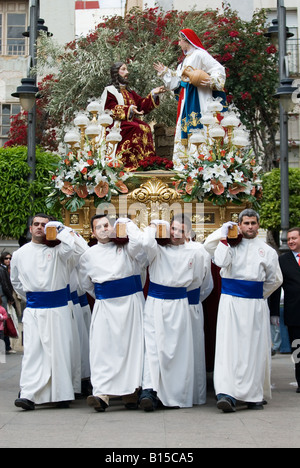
(290, 266)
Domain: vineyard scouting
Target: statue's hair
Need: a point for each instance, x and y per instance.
(114, 73)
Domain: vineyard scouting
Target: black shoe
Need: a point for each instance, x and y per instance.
(225, 404)
(131, 406)
(86, 388)
(62, 404)
(97, 403)
(256, 406)
(25, 404)
(298, 390)
(147, 404)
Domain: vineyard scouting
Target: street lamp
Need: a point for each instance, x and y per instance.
(26, 93)
(40, 28)
(272, 33)
(284, 94)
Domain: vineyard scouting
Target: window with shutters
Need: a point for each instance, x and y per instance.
(13, 22)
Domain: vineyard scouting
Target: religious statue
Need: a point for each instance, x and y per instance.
(127, 107)
(198, 78)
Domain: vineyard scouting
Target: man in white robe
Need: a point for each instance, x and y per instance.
(250, 273)
(81, 366)
(116, 337)
(197, 292)
(40, 274)
(192, 100)
(169, 352)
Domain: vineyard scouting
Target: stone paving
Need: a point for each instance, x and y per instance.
(277, 426)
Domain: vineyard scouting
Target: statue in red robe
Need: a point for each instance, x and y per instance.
(128, 107)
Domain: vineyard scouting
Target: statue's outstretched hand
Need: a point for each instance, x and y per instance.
(135, 111)
(159, 90)
(159, 67)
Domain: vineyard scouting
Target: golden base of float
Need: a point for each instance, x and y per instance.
(152, 196)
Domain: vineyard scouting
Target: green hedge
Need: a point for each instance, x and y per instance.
(270, 207)
(16, 193)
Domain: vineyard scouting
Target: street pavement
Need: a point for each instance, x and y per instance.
(277, 426)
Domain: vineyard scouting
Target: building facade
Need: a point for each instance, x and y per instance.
(14, 60)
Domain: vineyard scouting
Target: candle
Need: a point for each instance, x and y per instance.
(94, 106)
(72, 136)
(93, 130)
(208, 119)
(217, 132)
(214, 106)
(105, 120)
(197, 138)
(113, 137)
(81, 120)
(230, 120)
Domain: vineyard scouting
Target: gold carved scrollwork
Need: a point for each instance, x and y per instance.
(152, 196)
(154, 190)
(152, 200)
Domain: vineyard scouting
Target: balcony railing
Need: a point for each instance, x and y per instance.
(293, 53)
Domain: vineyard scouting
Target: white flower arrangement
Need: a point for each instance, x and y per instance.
(220, 169)
(83, 174)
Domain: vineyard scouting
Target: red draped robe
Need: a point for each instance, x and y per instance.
(137, 140)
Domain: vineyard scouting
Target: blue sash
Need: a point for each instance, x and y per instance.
(83, 300)
(166, 292)
(194, 296)
(241, 288)
(138, 282)
(74, 297)
(117, 288)
(47, 299)
(69, 292)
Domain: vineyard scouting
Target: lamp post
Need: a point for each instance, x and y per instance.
(28, 90)
(31, 132)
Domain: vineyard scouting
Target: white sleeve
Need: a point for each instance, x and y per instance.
(212, 241)
(223, 255)
(171, 79)
(135, 244)
(150, 245)
(208, 282)
(66, 247)
(85, 281)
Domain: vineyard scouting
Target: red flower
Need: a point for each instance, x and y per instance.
(246, 96)
(226, 57)
(271, 49)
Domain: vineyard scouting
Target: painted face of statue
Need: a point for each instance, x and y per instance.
(123, 74)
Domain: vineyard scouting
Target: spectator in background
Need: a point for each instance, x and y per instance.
(3, 317)
(290, 267)
(6, 291)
